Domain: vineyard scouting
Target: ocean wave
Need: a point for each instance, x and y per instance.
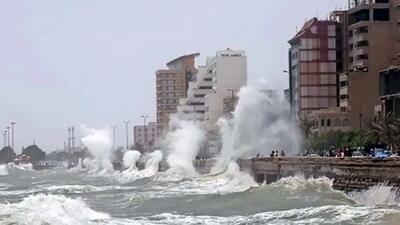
(50, 209)
(381, 194)
(230, 181)
(313, 215)
(3, 170)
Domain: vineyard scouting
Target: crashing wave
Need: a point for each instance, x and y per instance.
(381, 194)
(49, 209)
(340, 214)
(3, 170)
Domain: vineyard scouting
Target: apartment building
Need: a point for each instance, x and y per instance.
(314, 62)
(145, 135)
(373, 44)
(171, 85)
(193, 106)
(228, 70)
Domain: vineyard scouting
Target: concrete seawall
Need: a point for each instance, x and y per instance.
(348, 174)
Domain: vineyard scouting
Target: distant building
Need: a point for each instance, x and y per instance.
(373, 45)
(331, 119)
(228, 71)
(286, 95)
(193, 106)
(172, 84)
(313, 67)
(145, 136)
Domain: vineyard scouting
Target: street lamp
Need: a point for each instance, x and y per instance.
(12, 134)
(8, 136)
(5, 138)
(127, 134)
(113, 135)
(144, 130)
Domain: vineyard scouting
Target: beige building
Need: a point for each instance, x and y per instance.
(145, 136)
(373, 43)
(171, 85)
(331, 119)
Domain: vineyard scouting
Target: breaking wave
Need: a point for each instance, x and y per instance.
(381, 194)
(50, 209)
(3, 170)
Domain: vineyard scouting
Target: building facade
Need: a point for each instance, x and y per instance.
(171, 85)
(313, 67)
(145, 136)
(228, 70)
(373, 44)
(193, 106)
(389, 91)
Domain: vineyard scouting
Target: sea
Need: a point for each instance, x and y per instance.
(63, 196)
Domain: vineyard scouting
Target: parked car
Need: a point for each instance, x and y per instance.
(381, 153)
(357, 154)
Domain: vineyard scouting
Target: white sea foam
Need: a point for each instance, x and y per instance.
(183, 145)
(314, 215)
(377, 195)
(3, 170)
(50, 209)
(99, 144)
(130, 159)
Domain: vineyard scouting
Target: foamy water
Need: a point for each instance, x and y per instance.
(232, 197)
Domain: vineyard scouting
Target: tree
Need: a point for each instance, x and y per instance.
(306, 125)
(7, 155)
(34, 152)
(387, 129)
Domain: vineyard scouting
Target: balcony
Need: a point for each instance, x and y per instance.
(344, 91)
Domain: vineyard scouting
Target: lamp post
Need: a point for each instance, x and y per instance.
(12, 134)
(144, 131)
(5, 138)
(113, 135)
(8, 136)
(127, 134)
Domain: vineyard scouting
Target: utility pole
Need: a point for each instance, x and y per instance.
(12, 134)
(5, 138)
(69, 139)
(72, 139)
(127, 134)
(8, 136)
(113, 135)
(144, 131)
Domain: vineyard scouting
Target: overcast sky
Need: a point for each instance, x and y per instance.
(93, 61)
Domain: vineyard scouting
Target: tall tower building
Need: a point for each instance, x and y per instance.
(171, 85)
(313, 67)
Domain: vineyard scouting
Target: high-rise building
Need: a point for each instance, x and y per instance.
(193, 106)
(373, 44)
(145, 135)
(172, 84)
(228, 70)
(313, 67)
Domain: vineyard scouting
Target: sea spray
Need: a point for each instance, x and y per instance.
(130, 159)
(50, 209)
(381, 194)
(3, 170)
(184, 143)
(152, 164)
(261, 123)
(99, 144)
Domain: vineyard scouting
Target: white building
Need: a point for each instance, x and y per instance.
(193, 107)
(228, 71)
(145, 136)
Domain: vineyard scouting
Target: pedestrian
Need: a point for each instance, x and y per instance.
(272, 154)
(283, 153)
(276, 153)
(258, 155)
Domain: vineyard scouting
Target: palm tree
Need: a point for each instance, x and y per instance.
(387, 129)
(306, 126)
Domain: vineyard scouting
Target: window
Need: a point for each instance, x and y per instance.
(362, 44)
(381, 15)
(322, 122)
(362, 57)
(328, 122)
